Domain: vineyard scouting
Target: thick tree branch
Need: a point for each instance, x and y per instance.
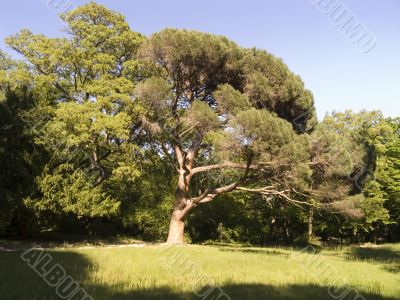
(270, 191)
(180, 155)
(227, 165)
(218, 166)
(226, 189)
(207, 197)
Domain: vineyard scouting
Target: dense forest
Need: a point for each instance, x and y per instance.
(183, 136)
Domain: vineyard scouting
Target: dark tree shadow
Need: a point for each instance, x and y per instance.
(381, 255)
(305, 248)
(388, 258)
(253, 251)
(393, 268)
(19, 281)
(244, 292)
(58, 240)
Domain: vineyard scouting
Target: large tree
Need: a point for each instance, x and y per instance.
(86, 80)
(376, 176)
(20, 158)
(222, 116)
(334, 156)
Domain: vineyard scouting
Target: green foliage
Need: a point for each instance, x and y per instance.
(270, 84)
(148, 203)
(21, 160)
(207, 113)
(231, 101)
(63, 192)
(373, 172)
(201, 116)
(201, 60)
(270, 137)
(333, 158)
(89, 77)
(100, 127)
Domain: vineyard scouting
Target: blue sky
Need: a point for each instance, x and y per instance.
(332, 67)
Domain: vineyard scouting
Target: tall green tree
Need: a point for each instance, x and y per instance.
(392, 176)
(375, 175)
(87, 79)
(219, 115)
(333, 158)
(21, 159)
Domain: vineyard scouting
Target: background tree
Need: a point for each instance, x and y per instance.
(20, 158)
(371, 131)
(333, 158)
(87, 79)
(382, 189)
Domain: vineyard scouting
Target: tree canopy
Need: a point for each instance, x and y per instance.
(108, 128)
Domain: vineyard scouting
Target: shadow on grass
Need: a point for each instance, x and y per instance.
(314, 248)
(381, 255)
(393, 268)
(19, 281)
(240, 292)
(65, 240)
(253, 251)
(387, 257)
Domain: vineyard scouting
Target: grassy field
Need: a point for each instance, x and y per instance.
(187, 272)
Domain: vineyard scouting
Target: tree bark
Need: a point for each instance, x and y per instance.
(176, 228)
(181, 209)
(183, 202)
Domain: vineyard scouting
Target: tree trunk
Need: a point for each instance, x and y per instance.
(176, 228)
(310, 223)
(181, 209)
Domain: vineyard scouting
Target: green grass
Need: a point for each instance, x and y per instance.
(154, 272)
